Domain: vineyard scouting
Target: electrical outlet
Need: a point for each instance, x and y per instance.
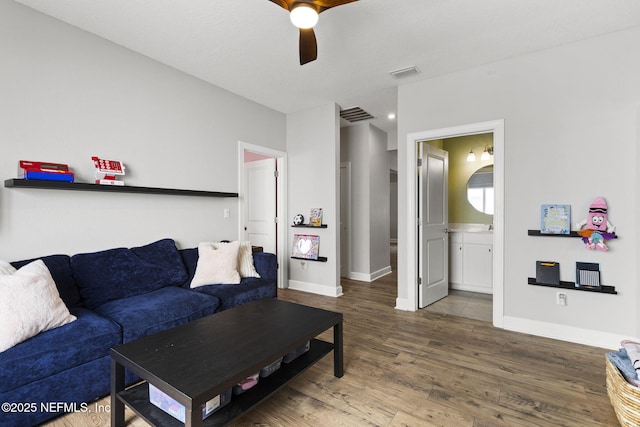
(561, 298)
(303, 265)
(226, 213)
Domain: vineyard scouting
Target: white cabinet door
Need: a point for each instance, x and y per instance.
(478, 265)
(455, 262)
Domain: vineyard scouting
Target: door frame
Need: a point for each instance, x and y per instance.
(496, 127)
(347, 166)
(281, 202)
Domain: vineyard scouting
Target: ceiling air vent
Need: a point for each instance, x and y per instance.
(355, 114)
(404, 72)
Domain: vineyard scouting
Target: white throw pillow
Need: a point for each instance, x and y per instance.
(6, 268)
(216, 266)
(245, 259)
(29, 304)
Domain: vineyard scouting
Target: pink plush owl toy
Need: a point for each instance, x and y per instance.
(596, 229)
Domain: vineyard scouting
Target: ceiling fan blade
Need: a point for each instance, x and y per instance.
(308, 46)
(282, 3)
(327, 4)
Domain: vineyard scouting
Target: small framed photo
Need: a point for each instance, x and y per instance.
(555, 219)
(305, 246)
(315, 218)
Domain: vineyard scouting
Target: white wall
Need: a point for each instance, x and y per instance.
(365, 147)
(379, 203)
(571, 132)
(67, 95)
(355, 143)
(313, 149)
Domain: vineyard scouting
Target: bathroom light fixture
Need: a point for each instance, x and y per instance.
(471, 157)
(304, 16)
(486, 154)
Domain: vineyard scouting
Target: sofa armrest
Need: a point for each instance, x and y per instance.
(266, 265)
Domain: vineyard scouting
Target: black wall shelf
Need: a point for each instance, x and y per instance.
(309, 226)
(571, 234)
(78, 186)
(571, 285)
(320, 259)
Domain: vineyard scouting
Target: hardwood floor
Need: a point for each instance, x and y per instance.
(428, 369)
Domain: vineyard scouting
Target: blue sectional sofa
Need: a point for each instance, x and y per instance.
(117, 296)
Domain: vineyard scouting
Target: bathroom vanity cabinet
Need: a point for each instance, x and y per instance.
(471, 261)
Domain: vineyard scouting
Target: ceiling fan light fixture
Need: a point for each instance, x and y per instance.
(304, 16)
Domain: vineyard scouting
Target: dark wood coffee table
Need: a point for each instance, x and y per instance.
(197, 361)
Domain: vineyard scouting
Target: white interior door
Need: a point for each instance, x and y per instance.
(260, 225)
(433, 225)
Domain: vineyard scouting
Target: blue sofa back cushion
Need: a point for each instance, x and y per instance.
(190, 259)
(60, 268)
(122, 273)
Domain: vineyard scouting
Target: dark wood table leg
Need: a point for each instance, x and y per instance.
(117, 385)
(338, 362)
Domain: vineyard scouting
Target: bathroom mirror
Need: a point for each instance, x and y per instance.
(480, 190)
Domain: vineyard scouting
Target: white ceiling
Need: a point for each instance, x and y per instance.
(249, 47)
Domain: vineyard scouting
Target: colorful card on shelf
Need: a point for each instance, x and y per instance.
(315, 219)
(555, 219)
(305, 246)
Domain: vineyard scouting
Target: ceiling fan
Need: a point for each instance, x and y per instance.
(304, 15)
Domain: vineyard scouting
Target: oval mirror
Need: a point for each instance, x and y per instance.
(480, 190)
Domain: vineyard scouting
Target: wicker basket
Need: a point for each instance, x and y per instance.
(625, 398)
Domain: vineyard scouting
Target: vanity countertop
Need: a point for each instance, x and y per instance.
(471, 228)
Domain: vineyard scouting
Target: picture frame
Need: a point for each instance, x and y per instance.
(315, 218)
(305, 246)
(555, 219)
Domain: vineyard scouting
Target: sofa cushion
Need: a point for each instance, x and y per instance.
(29, 304)
(122, 273)
(217, 264)
(265, 263)
(89, 337)
(249, 289)
(245, 258)
(80, 385)
(190, 260)
(60, 268)
(156, 311)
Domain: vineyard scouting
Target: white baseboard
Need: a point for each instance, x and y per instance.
(403, 304)
(370, 277)
(471, 288)
(315, 288)
(564, 333)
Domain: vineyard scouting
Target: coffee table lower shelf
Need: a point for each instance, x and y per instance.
(137, 397)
